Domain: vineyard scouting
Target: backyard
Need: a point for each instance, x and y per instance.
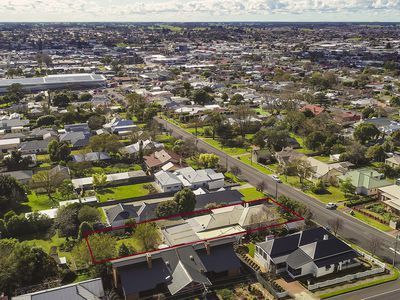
(122, 192)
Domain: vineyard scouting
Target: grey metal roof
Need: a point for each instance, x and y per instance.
(298, 258)
(85, 290)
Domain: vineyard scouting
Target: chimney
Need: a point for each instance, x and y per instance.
(208, 249)
(326, 237)
(149, 262)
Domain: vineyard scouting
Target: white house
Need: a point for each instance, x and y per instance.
(313, 252)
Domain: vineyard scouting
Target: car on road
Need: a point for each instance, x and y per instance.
(331, 205)
(276, 178)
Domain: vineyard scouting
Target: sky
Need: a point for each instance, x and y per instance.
(199, 10)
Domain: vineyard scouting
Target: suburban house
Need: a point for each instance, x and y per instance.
(167, 181)
(9, 144)
(390, 197)
(315, 109)
(313, 252)
(120, 213)
(223, 221)
(147, 147)
(194, 179)
(366, 181)
(346, 117)
(328, 173)
(393, 162)
(120, 126)
(91, 156)
(89, 289)
(287, 155)
(157, 160)
(176, 272)
(218, 198)
(35, 146)
(22, 176)
(77, 139)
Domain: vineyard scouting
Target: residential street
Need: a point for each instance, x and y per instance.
(352, 230)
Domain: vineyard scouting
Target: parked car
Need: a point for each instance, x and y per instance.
(276, 178)
(331, 205)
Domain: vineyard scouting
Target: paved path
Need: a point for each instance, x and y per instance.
(353, 230)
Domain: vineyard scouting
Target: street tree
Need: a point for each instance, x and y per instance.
(335, 224)
(208, 160)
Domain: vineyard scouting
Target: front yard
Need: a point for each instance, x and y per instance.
(250, 194)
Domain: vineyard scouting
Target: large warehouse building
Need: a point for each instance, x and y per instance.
(52, 82)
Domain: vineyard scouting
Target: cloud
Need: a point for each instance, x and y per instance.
(116, 9)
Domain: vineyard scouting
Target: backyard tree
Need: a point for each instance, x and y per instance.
(59, 151)
(242, 115)
(201, 97)
(88, 214)
(45, 120)
(49, 181)
(304, 169)
(208, 160)
(61, 99)
(103, 246)
(105, 143)
(99, 180)
(15, 161)
(166, 209)
(376, 153)
(366, 132)
(147, 235)
(185, 200)
(125, 250)
(236, 99)
(66, 220)
(215, 119)
(96, 122)
(11, 192)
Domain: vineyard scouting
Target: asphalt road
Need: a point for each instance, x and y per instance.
(353, 230)
(387, 291)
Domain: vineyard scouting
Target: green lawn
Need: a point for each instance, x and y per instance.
(262, 112)
(251, 194)
(324, 159)
(47, 244)
(336, 195)
(232, 151)
(39, 202)
(252, 249)
(43, 158)
(372, 222)
(131, 242)
(247, 160)
(122, 192)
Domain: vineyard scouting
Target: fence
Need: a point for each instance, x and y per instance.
(134, 199)
(362, 211)
(346, 278)
(269, 286)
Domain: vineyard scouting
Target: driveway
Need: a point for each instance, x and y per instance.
(296, 290)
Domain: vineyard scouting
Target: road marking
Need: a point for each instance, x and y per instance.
(381, 294)
(391, 249)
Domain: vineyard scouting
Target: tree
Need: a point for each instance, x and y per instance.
(201, 97)
(48, 181)
(366, 132)
(374, 244)
(276, 139)
(355, 153)
(304, 169)
(59, 151)
(395, 101)
(105, 143)
(125, 250)
(166, 209)
(15, 93)
(376, 153)
(208, 160)
(11, 192)
(368, 112)
(66, 220)
(215, 120)
(261, 186)
(85, 97)
(347, 187)
(335, 224)
(61, 100)
(103, 246)
(17, 225)
(66, 190)
(242, 115)
(136, 105)
(3, 230)
(236, 99)
(88, 214)
(147, 235)
(236, 171)
(25, 265)
(84, 229)
(259, 139)
(45, 120)
(96, 122)
(315, 140)
(99, 180)
(185, 200)
(16, 162)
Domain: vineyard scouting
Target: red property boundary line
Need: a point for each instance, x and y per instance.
(109, 229)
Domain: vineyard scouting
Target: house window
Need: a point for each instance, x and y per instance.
(168, 188)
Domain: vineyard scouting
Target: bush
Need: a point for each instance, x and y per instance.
(358, 201)
(226, 294)
(319, 188)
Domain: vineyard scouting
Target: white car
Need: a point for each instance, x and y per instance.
(276, 178)
(331, 205)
